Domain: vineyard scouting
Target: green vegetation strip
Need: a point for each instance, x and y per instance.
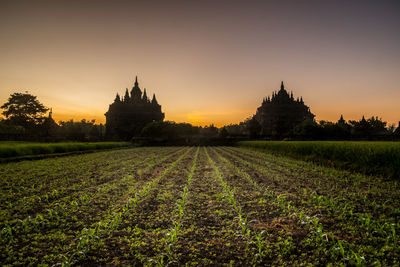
(378, 158)
(73, 203)
(250, 236)
(89, 237)
(363, 191)
(360, 228)
(177, 206)
(19, 149)
(318, 236)
(172, 233)
(40, 185)
(72, 212)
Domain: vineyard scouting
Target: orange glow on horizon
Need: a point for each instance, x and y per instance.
(75, 57)
(206, 119)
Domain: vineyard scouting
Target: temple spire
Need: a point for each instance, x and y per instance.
(136, 82)
(154, 100)
(145, 95)
(282, 86)
(126, 97)
(341, 120)
(117, 98)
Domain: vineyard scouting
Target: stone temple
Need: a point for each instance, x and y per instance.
(127, 116)
(279, 114)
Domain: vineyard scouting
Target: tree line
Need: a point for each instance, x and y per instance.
(26, 119)
(373, 128)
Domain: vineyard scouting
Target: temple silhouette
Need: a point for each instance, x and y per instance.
(279, 114)
(127, 116)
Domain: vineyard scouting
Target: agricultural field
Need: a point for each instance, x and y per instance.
(369, 157)
(10, 149)
(174, 206)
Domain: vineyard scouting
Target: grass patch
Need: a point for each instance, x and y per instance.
(378, 158)
(18, 149)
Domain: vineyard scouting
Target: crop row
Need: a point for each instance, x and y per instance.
(177, 218)
(92, 239)
(42, 176)
(378, 158)
(64, 218)
(199, 206)
(357, 234)
(364, 192)
(29, 205)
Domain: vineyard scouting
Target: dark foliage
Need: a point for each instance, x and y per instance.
(83, 131)
(237, 130)
(25, 120)
(253, 127)
(24, 116)
(11, 132)
(23, 109)
(364, 129)
(171, 133)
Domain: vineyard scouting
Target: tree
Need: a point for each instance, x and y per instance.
(24, 109)
(237, 130)
(308, 130)
(397, 131)
(82, 131)
(370, 128)
(11, 132)
(253, 127)
(223, 133)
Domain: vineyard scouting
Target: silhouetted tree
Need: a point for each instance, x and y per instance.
(83, 131)
(210, 131)
(223, 133)
(11, 132)
(23, 109)
(334, 131)
(168, 132)
(308, 130)
(371, 128)
(396, 132)
(237, 130)
(378, 126)
(253, 127)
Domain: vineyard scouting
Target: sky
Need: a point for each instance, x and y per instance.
(206, 61)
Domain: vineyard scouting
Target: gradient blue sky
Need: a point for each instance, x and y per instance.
(207, 61)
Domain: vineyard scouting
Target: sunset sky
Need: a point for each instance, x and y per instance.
(206, 61)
